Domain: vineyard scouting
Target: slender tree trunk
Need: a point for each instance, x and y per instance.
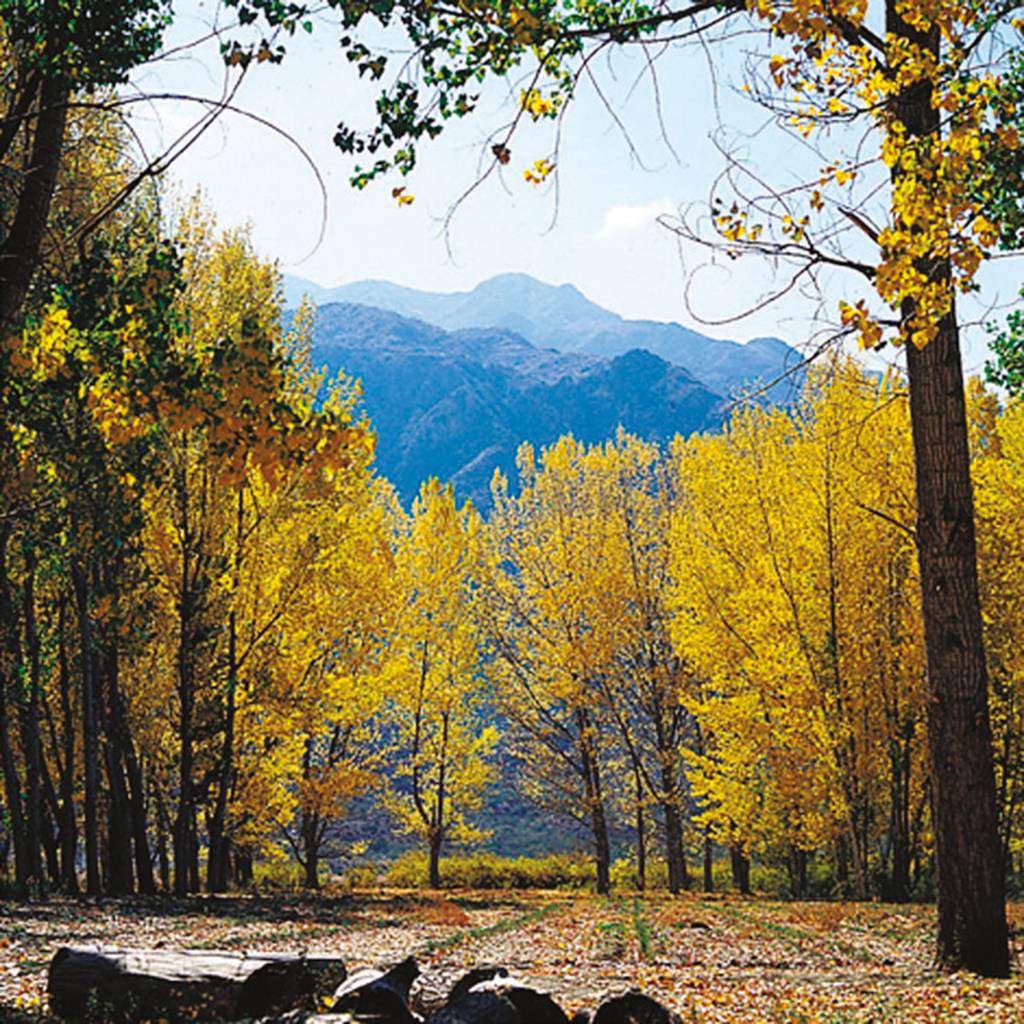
(970, 885)
(90, 730)
(641, 834)
(163, 827)
(51, 849)
(12, 796)
(709, 876)
(8, 700)
(674, 854)
(130, 785)
(184, 821)
(858, 861)
(595, 803)
(899, 822)
(217, 867)
(309, 824)
(311, 851)
(31, 745)
(796, 863)
(144, 880)
(120, 880)
(68, 822)
(740, 864)
(243, 866)
(434, 865)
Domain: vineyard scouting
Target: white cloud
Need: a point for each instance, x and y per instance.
(627, 219)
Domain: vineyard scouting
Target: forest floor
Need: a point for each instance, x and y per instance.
(712, 958)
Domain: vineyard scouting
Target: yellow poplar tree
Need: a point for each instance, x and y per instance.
(555, 554)
(442, 753)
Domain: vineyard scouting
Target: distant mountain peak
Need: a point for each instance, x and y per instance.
(562, 318)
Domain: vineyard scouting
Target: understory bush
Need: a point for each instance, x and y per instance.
(491, 871)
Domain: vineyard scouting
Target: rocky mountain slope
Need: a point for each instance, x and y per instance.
(457, 404)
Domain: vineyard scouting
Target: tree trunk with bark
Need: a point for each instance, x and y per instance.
(595, 802)
(20, 253)
(740, 864)
(68, 824)
(641, 833)
(969, 867)
(90, 729)
(970, 885)
(434, 841)
(31, 744)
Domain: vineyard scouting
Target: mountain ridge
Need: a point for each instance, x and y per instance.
(561, 317)
(458, 404)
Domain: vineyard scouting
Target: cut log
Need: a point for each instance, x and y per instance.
(532, 1006)
(383, 996)
(478, 1008)
(128, 985)
(634, 1007)
(474, 977)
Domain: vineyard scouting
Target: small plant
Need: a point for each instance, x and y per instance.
(643, 929)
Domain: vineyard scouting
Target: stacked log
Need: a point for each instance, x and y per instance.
(129, 985)
(132, 986)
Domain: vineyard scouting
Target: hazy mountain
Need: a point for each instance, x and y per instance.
(562, 318)
(457, 404)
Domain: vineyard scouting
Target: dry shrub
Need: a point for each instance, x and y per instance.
(442, 912)
(822, 917)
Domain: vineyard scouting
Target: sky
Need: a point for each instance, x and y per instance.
(595, 224)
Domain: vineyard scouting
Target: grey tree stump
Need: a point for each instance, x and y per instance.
(129, 985)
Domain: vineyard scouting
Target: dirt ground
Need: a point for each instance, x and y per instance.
(712, 958)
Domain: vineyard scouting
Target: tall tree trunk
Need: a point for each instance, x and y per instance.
(970, 885)
(899, 822)
(90, 729)
(20, 253)
(217, 867)
(10, 624)
(120, 880)
(31, 745)
(12, 794)
(68, 823)
(219, 844)
(184, 821)
(144, 880)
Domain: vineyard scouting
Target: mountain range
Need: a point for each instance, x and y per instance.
(454, 383)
